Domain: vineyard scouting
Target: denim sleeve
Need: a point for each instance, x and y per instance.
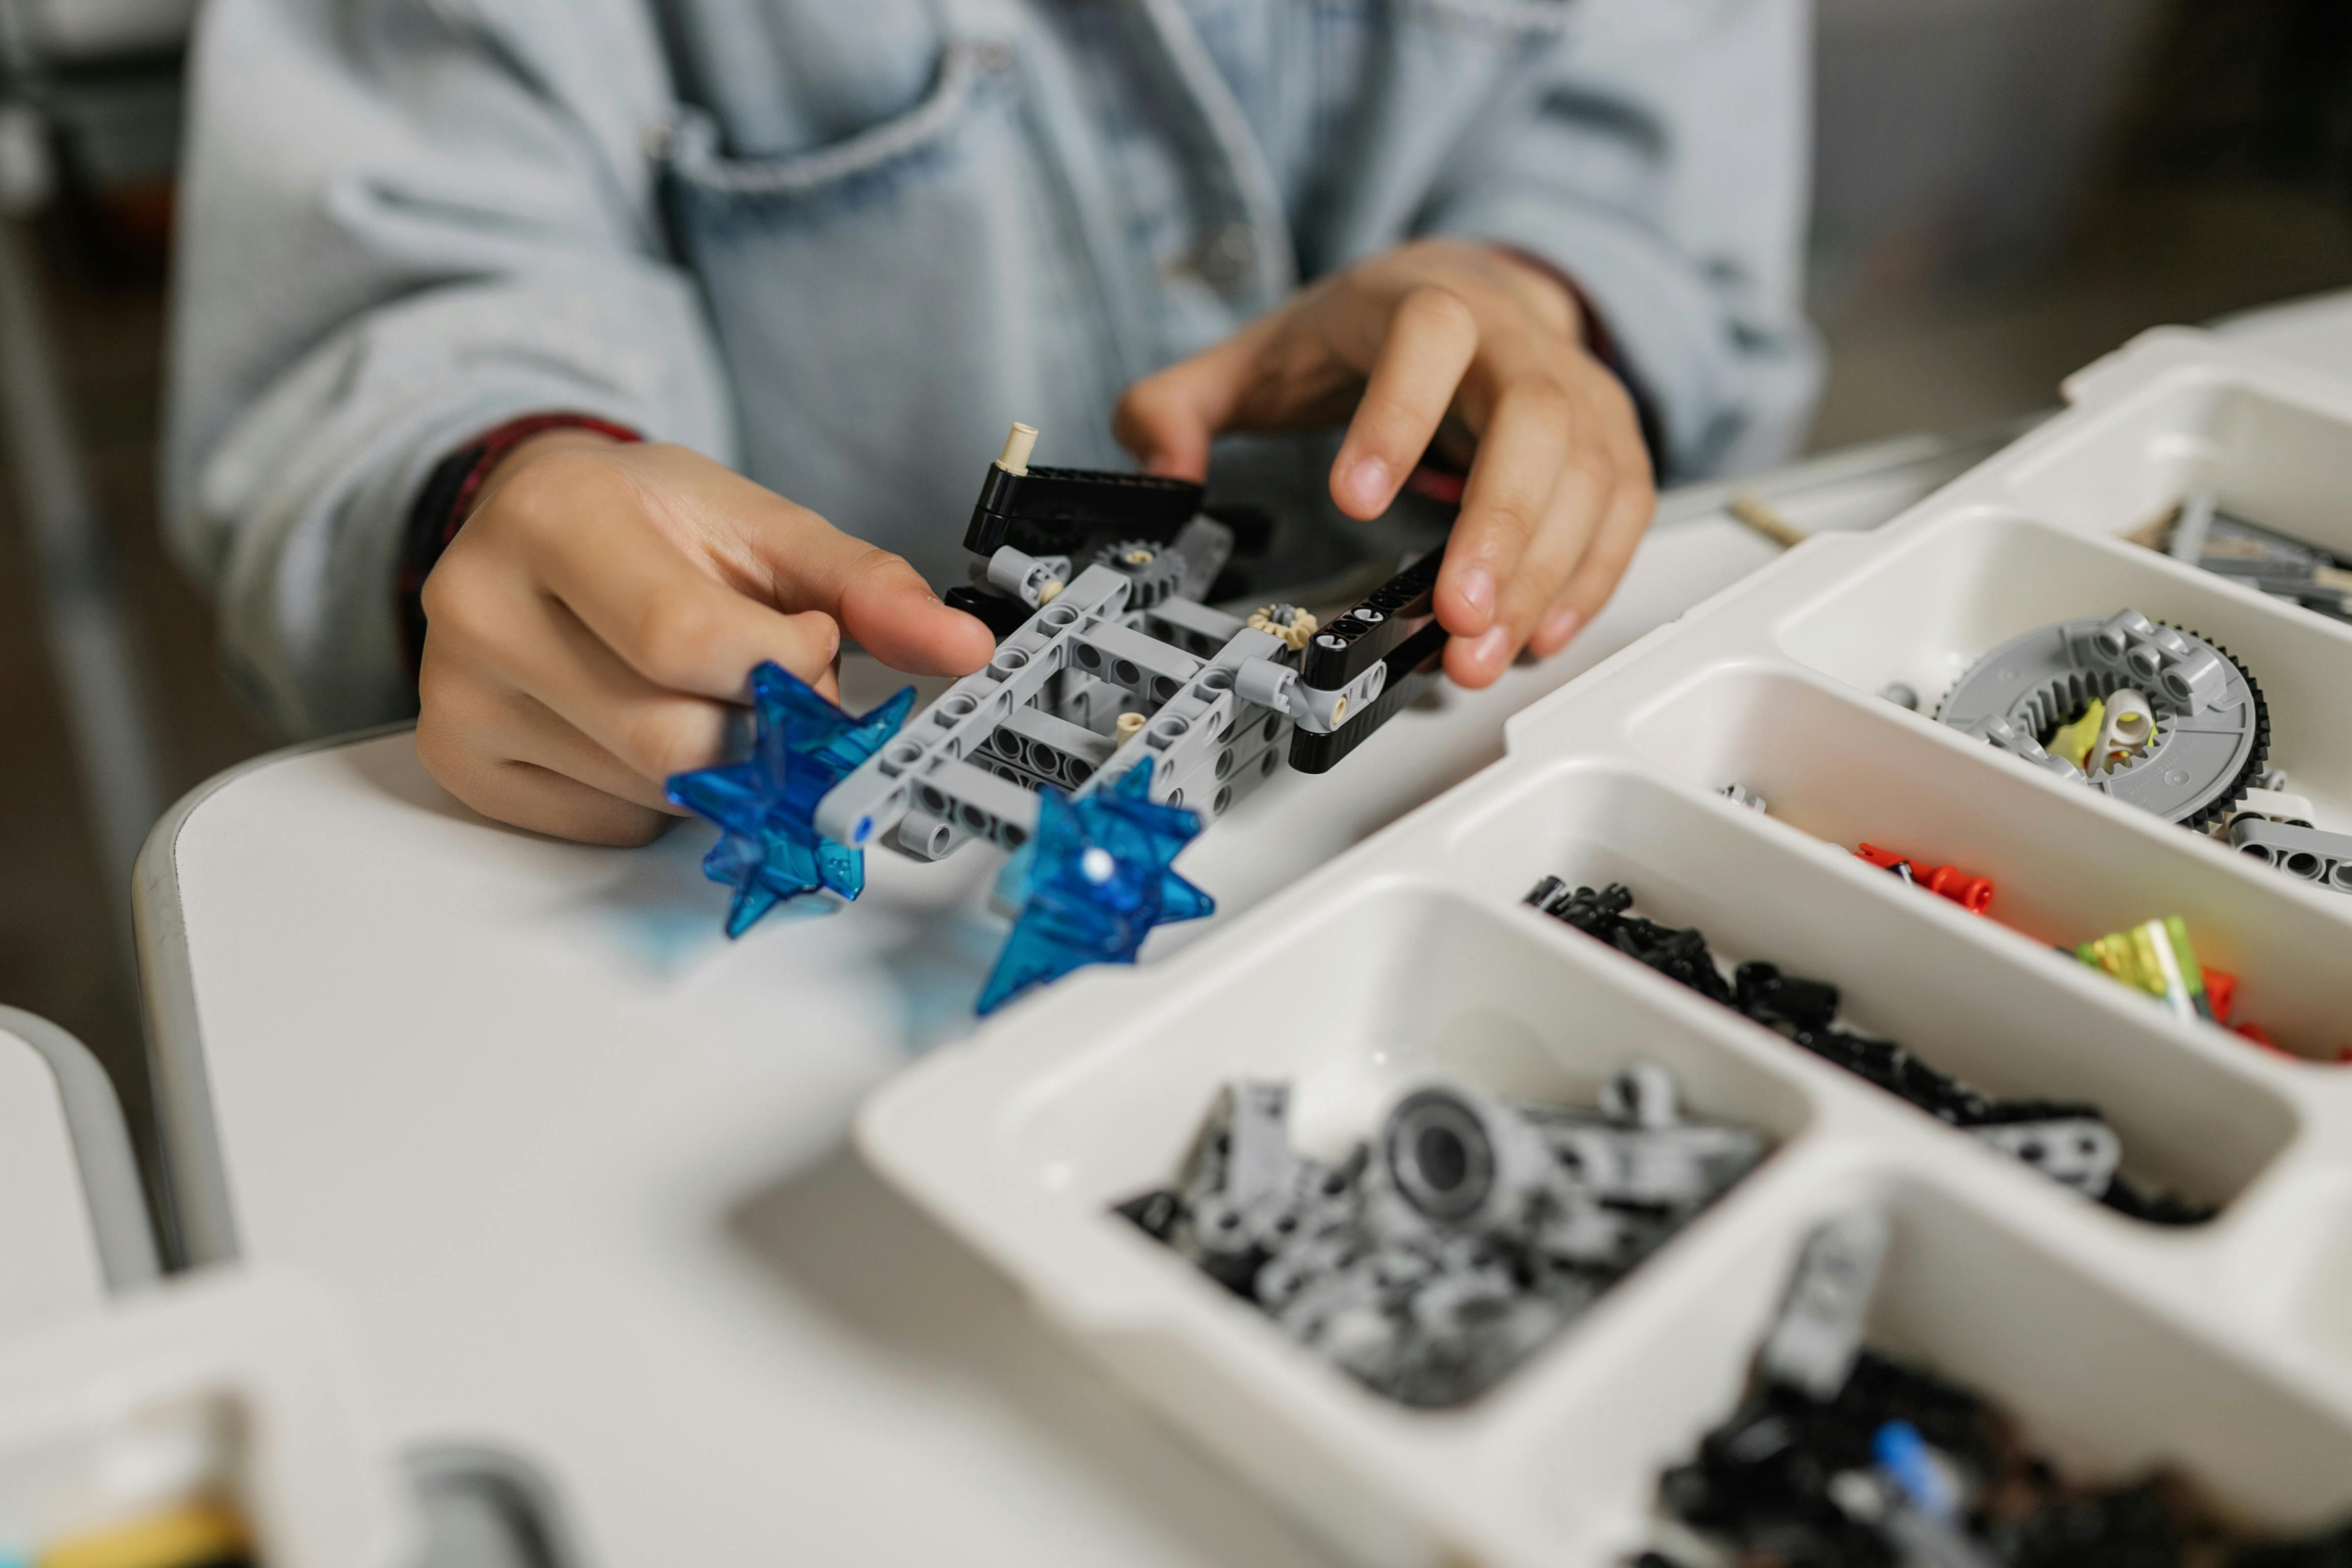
(404, 222)
(1658, 153)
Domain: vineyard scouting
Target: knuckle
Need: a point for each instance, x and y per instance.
(458, 598)
(1510, 521)
(662, 740)
(1591, 470)
(1545, 402)
(674, 643)
(1435, 307)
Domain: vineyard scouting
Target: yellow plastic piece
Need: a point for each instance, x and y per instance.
(199, 1533)
(2156, 956)
(2074, 741)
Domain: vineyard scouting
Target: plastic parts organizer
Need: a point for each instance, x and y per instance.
(2225, 1349)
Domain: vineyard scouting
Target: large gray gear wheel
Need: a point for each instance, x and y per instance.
(2212, 727)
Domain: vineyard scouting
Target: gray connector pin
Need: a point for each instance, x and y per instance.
(1818, 1335)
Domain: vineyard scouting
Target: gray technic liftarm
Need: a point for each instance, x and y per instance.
(1815, 1341)
(2308, 852)
(2212, 730)
(1209, 701)
(1127, 635)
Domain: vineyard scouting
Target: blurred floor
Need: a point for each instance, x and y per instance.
(56, 933)
(1905, 356)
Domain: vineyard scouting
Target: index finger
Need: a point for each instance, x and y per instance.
(874, 596)
(672, 623)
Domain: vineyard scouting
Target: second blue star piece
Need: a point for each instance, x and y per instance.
(768, 848)
(1101, 878)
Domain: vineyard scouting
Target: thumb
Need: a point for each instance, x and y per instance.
(1168, 419)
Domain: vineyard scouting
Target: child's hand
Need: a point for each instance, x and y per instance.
(1421, 338)
(604, 605)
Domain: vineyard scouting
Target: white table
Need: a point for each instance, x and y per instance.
(579, 1163)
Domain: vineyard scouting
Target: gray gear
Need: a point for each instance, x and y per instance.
(2212, 729)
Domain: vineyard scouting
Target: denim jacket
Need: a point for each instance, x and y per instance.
(842, 244)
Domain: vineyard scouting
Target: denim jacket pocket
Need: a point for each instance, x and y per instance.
(705, 181)
(887, 303)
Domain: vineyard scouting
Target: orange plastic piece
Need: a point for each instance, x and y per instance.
(2221, 992)
(2261, 1036)
(1973, 894)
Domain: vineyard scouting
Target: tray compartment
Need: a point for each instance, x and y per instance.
(1388, 986)
(1934, 603)
(2277, 464)
(1851, 769)
(1384, 984)
(1912, 967)
(2103, 1381)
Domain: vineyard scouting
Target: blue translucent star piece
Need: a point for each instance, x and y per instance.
(1100, 880)
(768, 848)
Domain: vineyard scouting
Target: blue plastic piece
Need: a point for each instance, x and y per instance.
(768, 848)
(1907, 1460)
(1099, 882)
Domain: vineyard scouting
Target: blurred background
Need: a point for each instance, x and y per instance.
(2005, 190)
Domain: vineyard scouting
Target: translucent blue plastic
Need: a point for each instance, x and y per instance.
(1099, 880)
(768, 848)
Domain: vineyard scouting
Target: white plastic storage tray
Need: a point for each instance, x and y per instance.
(2225, 1348)
(232, 1387)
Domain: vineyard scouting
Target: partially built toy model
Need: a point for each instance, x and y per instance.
(1120, 713)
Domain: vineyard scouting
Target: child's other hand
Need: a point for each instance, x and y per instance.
(604, 604)
(1440, 337)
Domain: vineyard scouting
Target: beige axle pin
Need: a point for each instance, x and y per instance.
(1019, 442)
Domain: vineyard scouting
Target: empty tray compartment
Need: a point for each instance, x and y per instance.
(2103, 1382)
(1962, 999)
(2269, 461)
(1851, 769)
(1935, 603)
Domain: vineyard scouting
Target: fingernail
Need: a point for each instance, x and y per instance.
(1492, 649)
(1477, 589)
(1370, 480)
(1559, 627)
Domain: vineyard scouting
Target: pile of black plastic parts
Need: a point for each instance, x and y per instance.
(1842, 1457)
(1432, 1260)
(2068, 1141)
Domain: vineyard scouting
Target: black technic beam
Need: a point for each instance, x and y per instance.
(1365, 635)
(1052, 511)
(1412, 664)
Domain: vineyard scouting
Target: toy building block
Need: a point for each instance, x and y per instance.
(2186, 750)
(1973, 894)
(1435, 1256)
(2306, 853)
(2156, 956)
(1812, 1344)
(2069, 1142)
(1120, 711)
